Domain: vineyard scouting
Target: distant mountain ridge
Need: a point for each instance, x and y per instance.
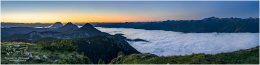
(67, 27)
(68, 31)
(206, 25)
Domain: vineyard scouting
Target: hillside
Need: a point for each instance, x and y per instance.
(85, 41)
(247, 56)
(64, 52)
(28, 53)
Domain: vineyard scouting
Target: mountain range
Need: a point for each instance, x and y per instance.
(206, 25)
(90, 41)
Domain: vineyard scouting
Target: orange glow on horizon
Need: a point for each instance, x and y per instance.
(64, 17)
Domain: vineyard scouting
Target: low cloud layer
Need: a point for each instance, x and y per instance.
(168, 43)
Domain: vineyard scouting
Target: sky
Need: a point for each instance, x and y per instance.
(122, 11)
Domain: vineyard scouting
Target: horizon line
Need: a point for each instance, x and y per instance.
(117, 21)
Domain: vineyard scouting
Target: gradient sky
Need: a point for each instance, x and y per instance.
(124, 11)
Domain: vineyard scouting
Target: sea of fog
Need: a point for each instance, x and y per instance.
(168, 43)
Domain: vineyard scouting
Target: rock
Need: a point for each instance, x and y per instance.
(37, 58)
(45, 57)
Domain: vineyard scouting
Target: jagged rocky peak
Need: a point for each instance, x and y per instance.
(56, 25)
(68, 27)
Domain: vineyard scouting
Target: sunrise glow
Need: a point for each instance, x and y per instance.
(80, 12)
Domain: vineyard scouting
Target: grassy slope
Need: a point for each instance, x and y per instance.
(248, 56)
(37, 54)
(57, 53)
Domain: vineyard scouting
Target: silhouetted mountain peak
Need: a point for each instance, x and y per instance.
(69, 23)
(87, 26)
(56, 25)
(68, 27)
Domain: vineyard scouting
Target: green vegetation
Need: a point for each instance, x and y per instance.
(59, 46)
(100, 61)
(64, 52)
(248, 56)
(28, 53)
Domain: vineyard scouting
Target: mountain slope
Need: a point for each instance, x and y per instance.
(247, 56)
(67, 27)
(103, 47)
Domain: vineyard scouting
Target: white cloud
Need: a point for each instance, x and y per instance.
(167, 43)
